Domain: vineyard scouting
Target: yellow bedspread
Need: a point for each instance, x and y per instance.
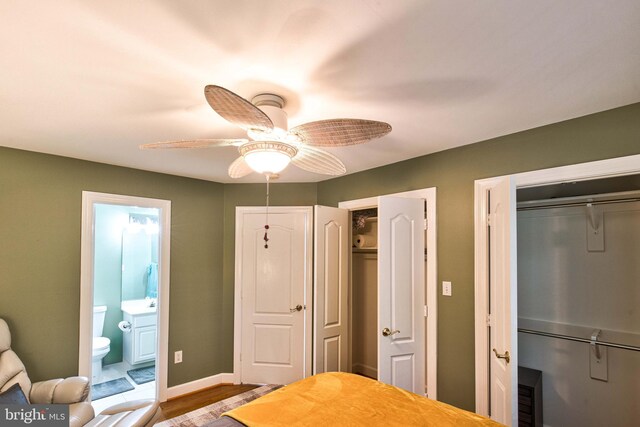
(340, 399)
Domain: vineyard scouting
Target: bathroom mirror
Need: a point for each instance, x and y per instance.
(140, 258)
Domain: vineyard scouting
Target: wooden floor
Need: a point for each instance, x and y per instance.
(187, 403)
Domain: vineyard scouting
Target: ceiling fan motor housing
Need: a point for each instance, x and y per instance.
(272, 106)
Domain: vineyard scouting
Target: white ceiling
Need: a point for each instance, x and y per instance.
(94, 79)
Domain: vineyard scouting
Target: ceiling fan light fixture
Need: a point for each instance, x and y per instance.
(271, 145)
(267, 156)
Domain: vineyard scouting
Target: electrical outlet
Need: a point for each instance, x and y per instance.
(446, 289)
(177, 357)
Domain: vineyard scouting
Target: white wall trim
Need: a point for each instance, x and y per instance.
(197, 385)
(578, 172)
(428, 194)
(481, 297)
(308, 287)
(89, 199)
(608, 168)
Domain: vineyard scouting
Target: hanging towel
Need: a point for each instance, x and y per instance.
(152, 280)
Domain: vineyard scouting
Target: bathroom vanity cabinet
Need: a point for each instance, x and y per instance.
(139, 345)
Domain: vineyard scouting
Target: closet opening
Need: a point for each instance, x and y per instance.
(364, 288)
(364, 292)
(578, 302)
(392, 301)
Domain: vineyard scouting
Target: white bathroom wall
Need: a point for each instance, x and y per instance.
(560, 281)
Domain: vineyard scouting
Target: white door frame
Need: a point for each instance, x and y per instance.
(89, 199)
(308, 286)
(429, 194)
(577, 172)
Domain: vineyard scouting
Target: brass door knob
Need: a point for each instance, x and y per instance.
(296, 308)
(387, 332)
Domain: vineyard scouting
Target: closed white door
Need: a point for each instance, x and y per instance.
(502, 304)
(401, 297)
(331, 262)
(274, 281)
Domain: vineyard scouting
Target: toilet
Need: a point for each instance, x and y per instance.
(100, 343)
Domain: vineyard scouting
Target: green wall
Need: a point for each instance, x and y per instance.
(613, 133)
(40, 225)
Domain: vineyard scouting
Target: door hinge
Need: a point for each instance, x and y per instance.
(426, 311)
(489, 220)
(489, 319)
(426, 223)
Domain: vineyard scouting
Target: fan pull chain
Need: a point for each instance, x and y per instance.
(266, 225)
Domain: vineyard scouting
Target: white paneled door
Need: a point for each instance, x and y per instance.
(331, 280)
(274, 285)
(503, 337)
(401, 297)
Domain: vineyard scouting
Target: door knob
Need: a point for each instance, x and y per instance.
(386, 332)
(504, 356)
(296, 308)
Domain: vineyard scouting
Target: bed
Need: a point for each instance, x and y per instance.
(341, 399)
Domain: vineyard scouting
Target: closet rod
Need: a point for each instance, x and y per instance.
(569, 204)
(585, 340)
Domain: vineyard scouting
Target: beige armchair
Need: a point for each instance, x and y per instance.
(72, 391)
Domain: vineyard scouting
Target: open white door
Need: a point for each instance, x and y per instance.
(274, 282)
(503, 338)
(401, 293)
(330, 315)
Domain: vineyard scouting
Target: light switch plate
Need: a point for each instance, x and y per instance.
(446, 289)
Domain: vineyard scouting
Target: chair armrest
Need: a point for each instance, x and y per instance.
(63, 391)
(80, 414)
(135, 413)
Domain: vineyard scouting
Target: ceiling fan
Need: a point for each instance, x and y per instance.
(271, 145)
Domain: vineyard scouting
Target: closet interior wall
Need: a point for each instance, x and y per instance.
(364, 302)
(579, 273)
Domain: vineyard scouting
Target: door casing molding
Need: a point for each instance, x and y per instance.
(89, 199)
(431, 278)
(578, 172)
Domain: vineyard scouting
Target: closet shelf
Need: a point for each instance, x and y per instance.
(364, 250)
(607, 338)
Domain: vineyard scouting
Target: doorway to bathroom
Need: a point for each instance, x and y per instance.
(124, 297)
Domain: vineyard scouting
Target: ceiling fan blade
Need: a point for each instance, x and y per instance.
(239, 168)
(319, 161)
(194, 143)
(337, 132)
(236, 109)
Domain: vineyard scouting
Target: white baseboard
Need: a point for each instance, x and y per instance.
(361, 368)
(200, 384)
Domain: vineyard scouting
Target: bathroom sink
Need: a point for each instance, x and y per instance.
(138, 306)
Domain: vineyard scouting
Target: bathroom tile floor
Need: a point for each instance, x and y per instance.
(118, 370)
